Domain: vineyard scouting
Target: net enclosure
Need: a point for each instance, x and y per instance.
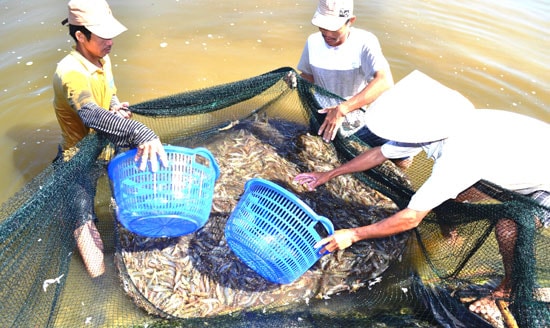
(265, 127)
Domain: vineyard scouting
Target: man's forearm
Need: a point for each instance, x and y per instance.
(401, 221)
(371, 92)
(120, 131)
(365, 161)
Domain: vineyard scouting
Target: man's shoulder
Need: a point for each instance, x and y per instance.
(67, 64)
(316, 40)
(67, 60)
(362, 34)
(72, 61)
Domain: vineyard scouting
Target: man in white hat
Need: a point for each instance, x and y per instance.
(348, 62)
(84, 101)
(466, 145)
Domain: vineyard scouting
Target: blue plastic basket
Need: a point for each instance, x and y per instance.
(273, 232)
(173, 201)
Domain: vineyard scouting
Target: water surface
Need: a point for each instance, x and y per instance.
(494, 52)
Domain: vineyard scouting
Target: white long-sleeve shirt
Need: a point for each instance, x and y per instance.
(505, 148)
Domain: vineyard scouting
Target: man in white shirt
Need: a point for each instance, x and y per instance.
(466, 145)
(348, 62)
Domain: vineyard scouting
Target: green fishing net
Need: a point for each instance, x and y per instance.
(264, 127)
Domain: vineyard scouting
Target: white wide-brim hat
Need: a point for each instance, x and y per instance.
(418, 109)
(96, 16)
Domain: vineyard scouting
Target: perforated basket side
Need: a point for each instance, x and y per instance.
(273, 232)
(172, 201)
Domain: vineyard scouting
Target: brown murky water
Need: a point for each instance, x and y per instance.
(494, 52)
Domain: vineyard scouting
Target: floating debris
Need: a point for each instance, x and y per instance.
(48, 282)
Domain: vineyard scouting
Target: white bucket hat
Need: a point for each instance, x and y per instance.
(96, 16)
(332, 14)
(418, 109)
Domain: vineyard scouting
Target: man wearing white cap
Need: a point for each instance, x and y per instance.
(466, 145)
(84, 101)
(348, 62)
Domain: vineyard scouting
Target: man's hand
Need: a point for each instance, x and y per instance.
(340, 239)
(152, 151)
(312, 179)
(332, 122)
(122, 110)
(290, 80)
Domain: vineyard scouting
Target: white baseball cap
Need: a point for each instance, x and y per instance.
(418, 109)
(332, 14)
(96, 16)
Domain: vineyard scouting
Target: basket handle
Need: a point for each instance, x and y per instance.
(327, 224)
(206, 153)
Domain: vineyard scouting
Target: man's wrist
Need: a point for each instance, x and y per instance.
(356, 235)
(343, 109)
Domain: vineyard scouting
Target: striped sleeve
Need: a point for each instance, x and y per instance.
(120, 131)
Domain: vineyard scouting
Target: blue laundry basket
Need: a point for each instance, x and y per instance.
(273, 232)
(173, 201)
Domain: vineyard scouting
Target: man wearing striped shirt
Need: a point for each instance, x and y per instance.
(85, 100)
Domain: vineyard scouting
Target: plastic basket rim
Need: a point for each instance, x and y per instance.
(168, 149)
(291, 196)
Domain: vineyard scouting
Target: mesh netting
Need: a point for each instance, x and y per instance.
(262, 128)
